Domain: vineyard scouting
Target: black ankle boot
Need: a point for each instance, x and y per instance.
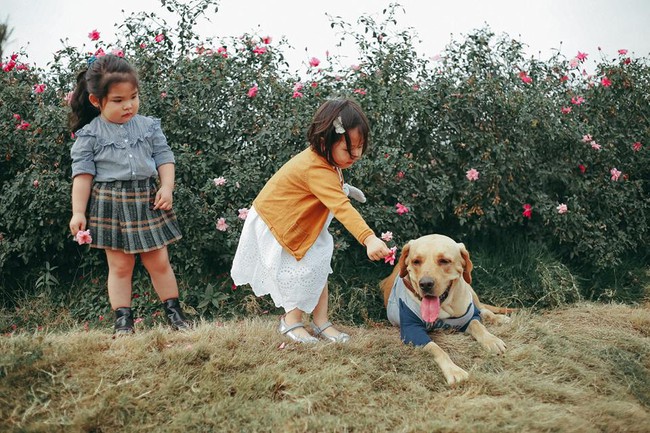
(123, 321)
(175, 315)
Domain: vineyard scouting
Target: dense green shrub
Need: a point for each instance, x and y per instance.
(483, 106)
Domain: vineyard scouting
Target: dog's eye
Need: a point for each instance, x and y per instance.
(444, 262)
(417, 261)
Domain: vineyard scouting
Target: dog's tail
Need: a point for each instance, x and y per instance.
(499, 310)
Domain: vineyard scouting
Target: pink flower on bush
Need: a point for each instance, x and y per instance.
(9, 66)
(564, 78)
(298, 86)
(582, 56)
(622, 52)
(573, 62)
(219, 181)
(100, 53)
(582, 168)
(566, 110)
(143, 45)
(83, 237)
(297, 94)
(267, 39)
(259, 50)
(401, 209)
(39, 88)
(637, 146)
(93, 35)
(605, 82)
(35, 183)
(360, 91)
(243, 213)
(355, 67)
(587, 138)
(595, 145)
(223, 51)
(525, 78)
(387, 236)
(23, 125)
(16, 117)
(577, 100)
(221, 224)
(159, 38)
(472, 174)
(390, 257)
(163, 94)
(314, 62)
(252, 92)
(615, 174)
(528, 211)
(117, 52)
(562, 208)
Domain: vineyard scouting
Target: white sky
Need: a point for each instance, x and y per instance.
(543, 25)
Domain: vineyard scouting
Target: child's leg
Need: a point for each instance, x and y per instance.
(162, 275)
(295, 316)
(319, 315)
(120, 273)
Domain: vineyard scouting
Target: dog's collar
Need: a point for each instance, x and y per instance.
(409, 286)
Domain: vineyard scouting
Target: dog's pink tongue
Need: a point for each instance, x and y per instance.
(429, 308)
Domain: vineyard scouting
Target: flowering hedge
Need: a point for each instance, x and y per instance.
(479, 142)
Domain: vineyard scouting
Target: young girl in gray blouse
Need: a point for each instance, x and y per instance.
(123, 182)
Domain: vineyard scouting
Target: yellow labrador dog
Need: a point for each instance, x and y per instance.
(430, 289)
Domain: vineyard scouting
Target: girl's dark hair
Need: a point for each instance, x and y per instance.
(101, 74)
(322, 135)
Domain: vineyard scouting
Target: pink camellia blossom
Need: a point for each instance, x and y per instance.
(528, 211)
(582, 56)
(143, 45)
(298, 86)
(525, 78)
(35, 183)
(564, 78)
(360, 91)
(562, 208)
(297, 94)
(390, 257)
(587, 138)
(401, 209)
(582, 168)
(573, 63)
(595, 145)
(93, 35)
(267, 39)
(83, 237)
(117, 52)
(577, 100)
(39, 88)
(221, 224)
(627, 61)
(219, 181)
(314, 62)
(615, 174)
(243, 213)
(637, 146)
(163, 94)
(622, 52)
(159, 38)
(259, 50)
(355, 67)
(387, 236)
(9, 66)
(100, 53)
(23, 125)
(16, 117)
(605, 82)
(223, 51)
(566, 110)
(252, 92)
(472, 174)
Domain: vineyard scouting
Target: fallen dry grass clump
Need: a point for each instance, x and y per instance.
(582, 368)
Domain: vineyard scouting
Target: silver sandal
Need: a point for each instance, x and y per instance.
(318, 332)
(287, 330)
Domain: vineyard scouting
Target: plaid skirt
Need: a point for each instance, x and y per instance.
(121, 217)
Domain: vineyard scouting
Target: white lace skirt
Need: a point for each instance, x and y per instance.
(270, 270)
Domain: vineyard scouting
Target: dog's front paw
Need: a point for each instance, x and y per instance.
(454, 374)
(494, 344)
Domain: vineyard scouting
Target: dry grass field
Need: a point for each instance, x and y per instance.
(583, 368)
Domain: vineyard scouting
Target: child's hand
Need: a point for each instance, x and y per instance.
(354, 192)
(376, 248)
(77, 223)
(164, 199)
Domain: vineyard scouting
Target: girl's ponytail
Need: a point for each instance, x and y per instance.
(82, 110)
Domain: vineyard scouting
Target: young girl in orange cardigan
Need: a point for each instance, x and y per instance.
(285, 248)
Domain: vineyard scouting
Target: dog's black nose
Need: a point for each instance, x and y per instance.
(426, 285)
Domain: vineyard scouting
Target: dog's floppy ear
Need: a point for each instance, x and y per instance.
(467, 265)
(402, 260)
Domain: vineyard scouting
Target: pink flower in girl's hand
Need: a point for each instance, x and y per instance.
(390, 257)
(83, 237)
(387, 236)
